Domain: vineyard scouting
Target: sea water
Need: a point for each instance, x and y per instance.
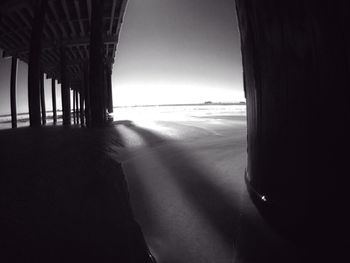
(161, 113)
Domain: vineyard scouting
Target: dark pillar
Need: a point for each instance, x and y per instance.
(42, 99)
(65, 92)
(77, 111)
(13, 92)
(81, 110)
(34, 63)
(74, 107)
(54, 108)
(87, 96)
(96, 86)
(109, 89)
(296, 74)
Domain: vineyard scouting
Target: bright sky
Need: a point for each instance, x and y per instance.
(170, 51)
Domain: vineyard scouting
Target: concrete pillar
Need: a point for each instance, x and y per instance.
(54, 107)
(296, 74)
(96, 86)
(42, 99)
(34, 63)
(13, 92)
(65, 91)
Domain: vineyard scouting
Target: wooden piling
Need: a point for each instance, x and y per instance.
(74, 108)
(77, 110)
(87, 96)
(13, 92)
(34, 63)
(109, 89)
(65, 92)
(54, 108)
(96, 64)
(81, 97)
(42, 99)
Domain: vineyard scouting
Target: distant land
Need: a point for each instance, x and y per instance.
(207, 103)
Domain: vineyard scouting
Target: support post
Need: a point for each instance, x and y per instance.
(87, 96)
(77, 110)
(42, 98)
(54, 108)
(109, 89)
(65, 92)
(97, 102)
(34, 64)
(81, 97)
(74, 108)
(13, 92)
(296, 64)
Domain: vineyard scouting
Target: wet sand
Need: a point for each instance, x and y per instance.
(188, 193)
(185, 180)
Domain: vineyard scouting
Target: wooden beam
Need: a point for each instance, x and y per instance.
(112, 17)
(32, 15)
(34, 64)
(121, 16)
(13, 92)
(89, 10)
(57, 18)
(77, 8)
(76, 41)
(66, 11)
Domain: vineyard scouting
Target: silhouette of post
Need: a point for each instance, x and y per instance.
(74, 107)
(42, 98)
(96, 85)
(87, 96)
(34, 63)
(109, 89)
(77, 111)
(13, 92)
(54, 108)
(65, 92)
(296, 65)
(81, 97)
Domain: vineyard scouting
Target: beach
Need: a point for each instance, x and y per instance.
(185, 172)
(184, 169)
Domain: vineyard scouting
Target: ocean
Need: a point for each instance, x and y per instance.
(155, 113)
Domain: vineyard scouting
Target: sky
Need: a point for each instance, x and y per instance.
(169, 51)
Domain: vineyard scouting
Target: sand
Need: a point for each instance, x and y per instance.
(184, 177)
(187, 191)
(63, 198)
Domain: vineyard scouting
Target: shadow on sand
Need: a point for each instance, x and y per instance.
(63, 199)
(250, 237)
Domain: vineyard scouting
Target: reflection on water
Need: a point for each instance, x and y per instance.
(148, 113)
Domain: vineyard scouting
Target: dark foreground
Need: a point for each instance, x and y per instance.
(63, 198)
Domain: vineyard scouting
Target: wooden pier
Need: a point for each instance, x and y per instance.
(66, 40)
